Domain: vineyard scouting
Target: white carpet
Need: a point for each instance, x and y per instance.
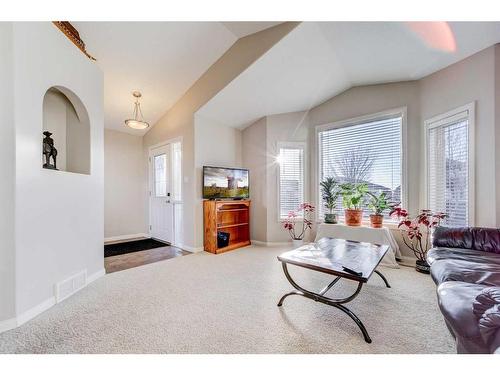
(205, 303)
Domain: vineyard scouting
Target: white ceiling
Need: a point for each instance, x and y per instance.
(241, 29)
(318, 60)
(160, 59)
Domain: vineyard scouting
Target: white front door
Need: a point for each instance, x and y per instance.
(161, 220)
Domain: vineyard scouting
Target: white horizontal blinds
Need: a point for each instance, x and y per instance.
(367, 152)
(291, 179)
(448, 168)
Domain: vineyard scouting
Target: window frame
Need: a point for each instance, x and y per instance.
(399, 111)
(291, 145)
(443, 119)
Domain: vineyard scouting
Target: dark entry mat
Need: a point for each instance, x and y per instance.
(132, 247)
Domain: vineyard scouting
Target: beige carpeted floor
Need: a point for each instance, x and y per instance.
(206, 303)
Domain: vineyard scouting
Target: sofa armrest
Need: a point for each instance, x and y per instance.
(488, 298)
(489, 325)
(495, 346)
(482, 239)
(486, 307)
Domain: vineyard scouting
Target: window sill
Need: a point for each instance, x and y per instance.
(366, 223)
(296, 219)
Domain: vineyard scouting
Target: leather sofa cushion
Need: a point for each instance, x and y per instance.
(482, 239)
(465, 270)
(480, 257)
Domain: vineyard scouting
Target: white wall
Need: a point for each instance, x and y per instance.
(59, 223)
(7, 177)
(77, 142)
(254, 157)
(497, 130)
(125, 187)
(472, 79)
(215, 145)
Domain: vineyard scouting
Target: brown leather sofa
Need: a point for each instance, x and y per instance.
(465, 264)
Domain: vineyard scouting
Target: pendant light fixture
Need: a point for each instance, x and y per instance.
(137, 122)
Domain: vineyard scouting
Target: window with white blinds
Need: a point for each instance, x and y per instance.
(448, 158)
(363, 152)
(291, 177)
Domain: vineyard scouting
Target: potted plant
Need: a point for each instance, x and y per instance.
(303, 216)
(352, 200)
(330, 192)
(416, 233)
(378, 203)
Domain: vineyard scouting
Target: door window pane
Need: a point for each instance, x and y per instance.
(160, 171)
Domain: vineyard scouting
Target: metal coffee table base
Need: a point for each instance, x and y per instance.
(335, 302)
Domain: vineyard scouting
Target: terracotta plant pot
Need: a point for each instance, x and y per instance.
(376, 221)
(353, 218)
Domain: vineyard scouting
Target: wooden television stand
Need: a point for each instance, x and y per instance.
(227, 216)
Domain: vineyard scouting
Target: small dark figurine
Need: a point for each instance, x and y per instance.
(49, 150)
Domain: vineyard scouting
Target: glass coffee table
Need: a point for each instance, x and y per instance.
(344, 259)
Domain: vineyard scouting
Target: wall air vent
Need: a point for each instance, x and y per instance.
(70, 286)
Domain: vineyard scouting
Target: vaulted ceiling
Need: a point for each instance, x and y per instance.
(316, 61)
(160, 59)
(319, 60)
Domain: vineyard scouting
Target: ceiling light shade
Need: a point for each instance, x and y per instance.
(137, 122)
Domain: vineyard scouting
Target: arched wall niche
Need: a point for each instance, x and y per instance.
(65, 116)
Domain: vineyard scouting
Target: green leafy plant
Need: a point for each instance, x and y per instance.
(330, 192)
(379, 203)
(353, 195)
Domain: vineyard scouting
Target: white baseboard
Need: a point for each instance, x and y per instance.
(127, 237)
(9, 324)
(29, 314)
(190, 248)
(95, 276)
(270, 244)
(34, 311)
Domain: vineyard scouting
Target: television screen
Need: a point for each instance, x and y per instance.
(225, 183)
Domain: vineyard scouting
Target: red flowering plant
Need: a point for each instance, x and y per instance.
(416, 232)
(300, 218)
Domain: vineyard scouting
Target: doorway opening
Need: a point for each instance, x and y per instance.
(165, 214)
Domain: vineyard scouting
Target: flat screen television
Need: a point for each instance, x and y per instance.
(225, 183)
